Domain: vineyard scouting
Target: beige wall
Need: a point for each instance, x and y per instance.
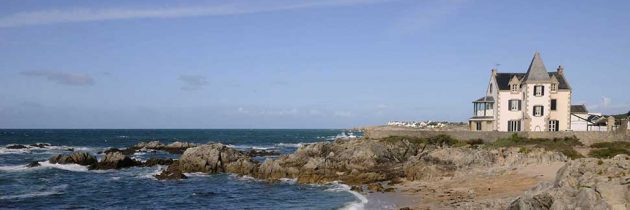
(504, 114)
(537, 123)
(563, 111)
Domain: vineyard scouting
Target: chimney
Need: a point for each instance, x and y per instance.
(494, 72)
(560, 70)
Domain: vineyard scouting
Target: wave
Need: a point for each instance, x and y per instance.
(48, 149)
(197, 174)
(54, 191)
(293, 145)
(45, 165)
(356, 205)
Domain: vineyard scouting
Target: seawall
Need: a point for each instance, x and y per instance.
(586, 137)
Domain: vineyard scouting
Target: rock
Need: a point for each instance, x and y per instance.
(216, 158)
(375, 187)
(40, 145)
(115, 160)
(81, 158)
(172, 172)
(586, 183)
(357, 188)
(158, 161)
(178, 147)
(16, 146)
(149, 145)
(33, 164)
(126, 151)
(261, 152)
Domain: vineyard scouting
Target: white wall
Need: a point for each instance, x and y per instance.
(504, 113)
(537, 123)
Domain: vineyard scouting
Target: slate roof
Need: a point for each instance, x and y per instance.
(578, 109)
(503, 80)
(537, 70)
(485, 99)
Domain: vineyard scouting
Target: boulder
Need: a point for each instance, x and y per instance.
(40, 145)
(81, 158)
(586, 183)
(215, 158)
(126, 151)
(115, 160)
(156, 145)
(172, 172)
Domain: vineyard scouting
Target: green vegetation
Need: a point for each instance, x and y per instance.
(609, 149)
(563, 145)
(440, 140)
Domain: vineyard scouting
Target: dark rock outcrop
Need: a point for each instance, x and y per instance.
(81, 158)
(158, 161)
(172, 172)
(261, 152)
(216, 158)
(33, 164)
(115, 160)
(40, 145)
(16, 146)
(125, 151)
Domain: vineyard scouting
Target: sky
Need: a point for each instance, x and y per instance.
(293, 63)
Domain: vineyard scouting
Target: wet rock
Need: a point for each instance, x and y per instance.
(40, 145)
(158, 161)
(115, 160)
(156, 145)
(81, 158)
(172, 172)
(261, 152)
(33, 164)
(16, 146)
(357, 188)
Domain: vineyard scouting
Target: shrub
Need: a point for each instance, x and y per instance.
(608, 152)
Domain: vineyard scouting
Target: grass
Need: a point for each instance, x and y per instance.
(609, 149)
(439, 140)
(563, 145)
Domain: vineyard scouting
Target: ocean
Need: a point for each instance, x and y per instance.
(53, 186)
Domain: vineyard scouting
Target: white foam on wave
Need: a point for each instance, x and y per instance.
(151, 175)
(13, 151)
(197, 174)
(251, 147)
(45, 165)
(53, 191)
(288, 181)
(356, 205)
(295, 145)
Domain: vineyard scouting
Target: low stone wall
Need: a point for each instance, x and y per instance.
(586, 137)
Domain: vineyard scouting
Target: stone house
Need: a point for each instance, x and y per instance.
(536, 100)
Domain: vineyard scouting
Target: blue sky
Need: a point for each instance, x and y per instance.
(293, 64)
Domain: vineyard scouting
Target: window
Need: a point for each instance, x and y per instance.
(478, 125)
(514, 125)
(538, 111)
(490, 87)
(515, 105)
(553, 87)
(514, 88)
(554, 104)
(539, 90)
(553, 125)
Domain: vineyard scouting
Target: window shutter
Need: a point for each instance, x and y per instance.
(542, 110)
(519, 105)
(542, 90)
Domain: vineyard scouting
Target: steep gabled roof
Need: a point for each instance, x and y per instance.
(562, 82)
(536, 70)
(503, 79)
(578, 109)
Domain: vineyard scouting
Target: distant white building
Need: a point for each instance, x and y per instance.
(533, 101)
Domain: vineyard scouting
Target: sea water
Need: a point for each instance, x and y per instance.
(55, 186)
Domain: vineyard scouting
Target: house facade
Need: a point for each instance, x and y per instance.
(536, 100)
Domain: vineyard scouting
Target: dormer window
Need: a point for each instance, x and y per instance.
(514, 88)
(554, 87)
(539, 90)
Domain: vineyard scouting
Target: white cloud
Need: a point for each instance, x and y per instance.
(63, 78)
(67, 15)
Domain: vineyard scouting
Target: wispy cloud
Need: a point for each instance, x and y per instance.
(193, 82)
(67, 15)
(62, 77)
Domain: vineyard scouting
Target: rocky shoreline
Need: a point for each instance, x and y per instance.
(440, 173)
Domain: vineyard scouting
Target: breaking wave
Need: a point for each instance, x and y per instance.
(54, 191)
